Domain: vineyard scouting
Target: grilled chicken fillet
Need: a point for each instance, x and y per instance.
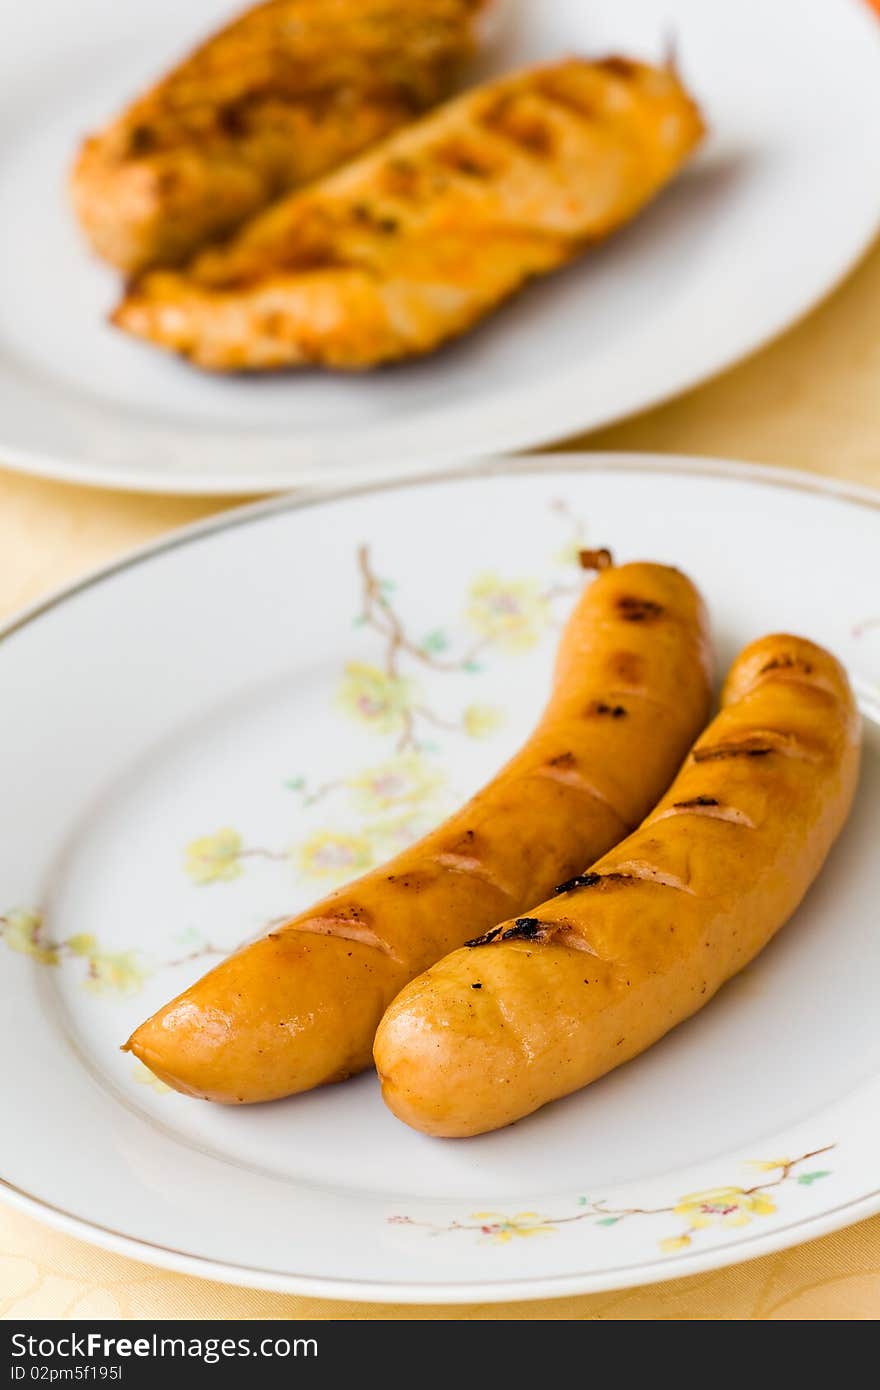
(420, 238)
(286, 92)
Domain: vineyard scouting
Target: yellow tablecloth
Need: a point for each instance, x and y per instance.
(812, 400)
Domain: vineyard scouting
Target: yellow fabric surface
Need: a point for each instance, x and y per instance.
(812, 401)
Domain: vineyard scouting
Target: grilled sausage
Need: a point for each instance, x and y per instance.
(300, 1006)
(624, 952)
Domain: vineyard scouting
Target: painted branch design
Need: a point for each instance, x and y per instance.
(731, 1206)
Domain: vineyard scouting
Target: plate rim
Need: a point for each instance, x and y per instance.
(531, 462)
(522, 1289)
(447, 1292)
(519, 435)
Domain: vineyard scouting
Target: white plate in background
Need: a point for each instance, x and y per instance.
(204, 738)
(783, 198)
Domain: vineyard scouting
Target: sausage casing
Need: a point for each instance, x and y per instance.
(645, 938)
(300, 1006)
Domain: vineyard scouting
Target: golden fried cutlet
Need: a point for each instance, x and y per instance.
(282, 95)
(420, 238)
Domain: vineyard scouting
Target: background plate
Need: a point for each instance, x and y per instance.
(783, 198)
(206, 737)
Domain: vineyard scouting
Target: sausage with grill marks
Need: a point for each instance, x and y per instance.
(548, 1002)
(300, 1006)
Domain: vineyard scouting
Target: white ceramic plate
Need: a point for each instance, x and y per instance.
(784, 197)
(206, 737)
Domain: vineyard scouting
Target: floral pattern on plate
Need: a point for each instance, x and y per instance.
(731, 1206)
(372, 811)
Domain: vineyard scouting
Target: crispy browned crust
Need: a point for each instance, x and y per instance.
(417, 240)
(286, 92)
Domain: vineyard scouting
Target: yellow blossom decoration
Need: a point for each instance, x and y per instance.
(114, 972)
(214, 858)
(83, 944)
(481, 721)
(509, 612)
(331, 854)
(725, 1206)
(502, 1229)
(106, 971)
(373, 697)
(407, 780)
(771, 1165)
(21, 929)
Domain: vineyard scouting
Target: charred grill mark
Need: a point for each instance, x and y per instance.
(366, 216)
(532, 135)
(142, 140)
(638, 610)
(532, 929)
(525, 929)
(242, 115)
(618, 67)
(709, 807)
(233, 120)
(486, 938)
(759, 744)
(631, 873)
(562, 760)
(574, 102)
(787, 663)
(462, 159)
(592, 880)
(297, 257)
(579, 881)
(793, 671)
(509, 119)
(304, 259)
(637, 871)
(731, 750)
